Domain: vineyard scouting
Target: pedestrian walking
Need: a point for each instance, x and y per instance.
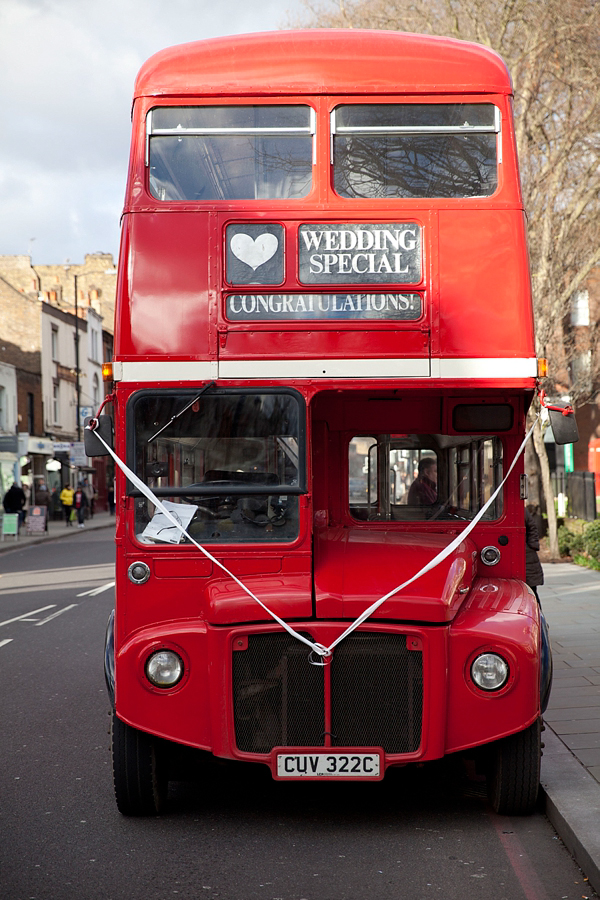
(534, 574)
(88, 490)
(66, 498)
(42, 498)
(80, 502)
(14, 502)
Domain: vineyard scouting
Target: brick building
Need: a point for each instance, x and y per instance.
(38, 325)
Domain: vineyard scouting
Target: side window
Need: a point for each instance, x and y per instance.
(362, 474)
(491, 475)
(475, 471)
(418, 478)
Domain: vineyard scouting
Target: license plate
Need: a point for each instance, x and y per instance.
(330, 764)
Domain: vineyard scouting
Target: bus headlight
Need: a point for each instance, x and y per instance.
(489, 672)
(164, 669)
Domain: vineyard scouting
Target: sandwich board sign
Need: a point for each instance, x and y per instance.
(10, 525)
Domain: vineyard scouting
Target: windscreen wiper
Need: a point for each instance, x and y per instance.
(181, 411)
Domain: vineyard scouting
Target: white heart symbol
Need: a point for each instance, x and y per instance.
(254, 253)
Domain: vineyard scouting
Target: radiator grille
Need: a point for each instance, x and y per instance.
(277, 695)
(377, 693)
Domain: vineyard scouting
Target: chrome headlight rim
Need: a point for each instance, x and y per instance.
(142, 574)
(489, 658)
(167, 661)
(490, 555)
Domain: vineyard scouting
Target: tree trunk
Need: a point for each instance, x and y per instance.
(534, 477)
(540, 449)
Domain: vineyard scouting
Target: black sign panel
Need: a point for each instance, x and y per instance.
(9, 443)
(360, 254)
(254, 254)
(275, 307)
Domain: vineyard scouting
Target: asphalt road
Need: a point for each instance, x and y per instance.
(233, 833)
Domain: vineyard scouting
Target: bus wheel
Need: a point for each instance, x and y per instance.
(514, 772)
(139, 771)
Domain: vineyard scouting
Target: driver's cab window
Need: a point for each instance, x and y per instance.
(423, 477)
(227, 464)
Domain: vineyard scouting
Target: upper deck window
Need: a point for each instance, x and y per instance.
(205, 153)
(415, 150)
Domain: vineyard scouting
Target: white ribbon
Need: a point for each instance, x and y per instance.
(318, 648)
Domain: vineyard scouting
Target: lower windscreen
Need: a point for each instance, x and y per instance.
(228, 465)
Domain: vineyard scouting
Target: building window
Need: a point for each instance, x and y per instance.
(30, 414)
(580, 308)
(94, 344)
(54, 342)
(96, 392)
(55, 402)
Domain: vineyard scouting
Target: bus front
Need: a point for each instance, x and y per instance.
(323, 363)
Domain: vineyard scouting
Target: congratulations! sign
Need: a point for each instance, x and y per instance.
(366, 254)
(265, 307)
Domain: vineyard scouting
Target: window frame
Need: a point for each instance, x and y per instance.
(54, 345)
(55, 402)
(311, 130)
(496, 128)
(470, 456)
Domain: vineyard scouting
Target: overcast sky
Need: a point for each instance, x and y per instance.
(67, 69)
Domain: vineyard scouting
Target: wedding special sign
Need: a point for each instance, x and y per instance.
(327, 254)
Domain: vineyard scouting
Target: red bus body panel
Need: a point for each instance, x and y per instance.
(322, 62)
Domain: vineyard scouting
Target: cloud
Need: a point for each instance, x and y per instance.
(68, 67)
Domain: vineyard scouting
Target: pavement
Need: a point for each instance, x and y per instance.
(56, 529)
(570, 780)
(570, 598)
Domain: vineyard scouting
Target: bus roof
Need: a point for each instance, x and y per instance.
(324, 61)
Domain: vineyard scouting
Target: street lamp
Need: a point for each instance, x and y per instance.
(77, 379)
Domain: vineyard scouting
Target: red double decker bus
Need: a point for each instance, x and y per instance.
(324, 357)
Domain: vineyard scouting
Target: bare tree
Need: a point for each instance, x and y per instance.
(552, 50)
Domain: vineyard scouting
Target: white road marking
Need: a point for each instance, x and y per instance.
(99, 590)
(27, 614)
(7, 641)
(45, 579)
(57, 613)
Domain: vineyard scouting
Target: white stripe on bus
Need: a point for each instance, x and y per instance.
(461, 369)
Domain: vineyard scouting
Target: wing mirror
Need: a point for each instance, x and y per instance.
(564, 426)
(92, 445)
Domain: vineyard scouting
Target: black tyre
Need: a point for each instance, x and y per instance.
(514, 772)
(139, 770)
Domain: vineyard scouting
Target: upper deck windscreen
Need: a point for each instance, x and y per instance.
(230, 152)
(415, 150)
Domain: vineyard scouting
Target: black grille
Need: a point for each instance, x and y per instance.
(376, 693)
(277, 695)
